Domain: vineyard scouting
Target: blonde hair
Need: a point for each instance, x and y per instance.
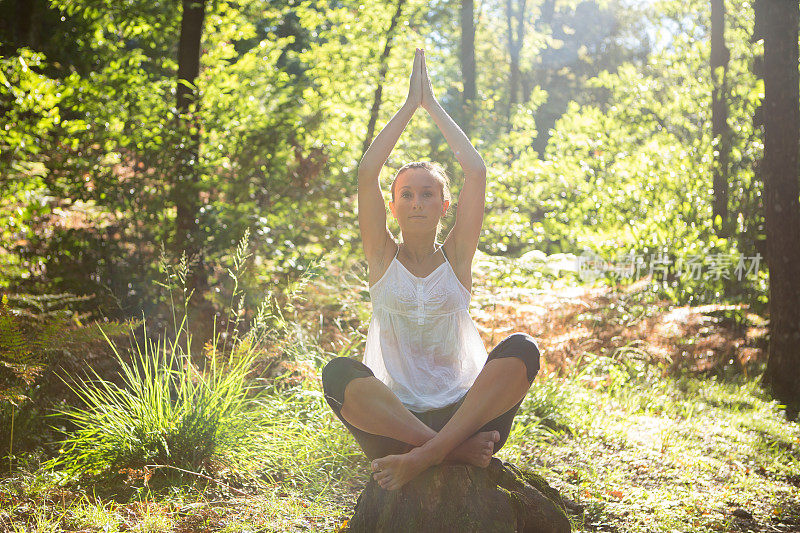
(439, 174)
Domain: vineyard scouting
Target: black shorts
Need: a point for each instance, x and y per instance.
(341, 370)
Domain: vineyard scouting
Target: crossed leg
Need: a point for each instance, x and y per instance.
(385, 415)
(501, 384)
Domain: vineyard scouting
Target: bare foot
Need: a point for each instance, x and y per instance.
(476, 450)
(394, 471)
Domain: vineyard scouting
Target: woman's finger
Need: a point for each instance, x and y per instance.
(427, 88)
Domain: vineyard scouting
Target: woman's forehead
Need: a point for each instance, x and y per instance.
(416, 178)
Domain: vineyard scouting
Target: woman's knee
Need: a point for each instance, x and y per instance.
(337, 374)
(523, 346)
(334, 369)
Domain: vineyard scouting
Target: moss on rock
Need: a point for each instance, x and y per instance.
(464, 498)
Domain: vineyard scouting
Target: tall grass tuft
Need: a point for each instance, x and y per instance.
(165, 411)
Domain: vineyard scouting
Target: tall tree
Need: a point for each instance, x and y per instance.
(720, 55)
(467, 57)
(777, 24)
(515, 16)
(24, 12)
(186, 187)
(542, 24)
(384, 62)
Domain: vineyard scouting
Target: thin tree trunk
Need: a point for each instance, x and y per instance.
(719, 116)
(778, 26)
(516, 37)
(24, 27)
(194, 12)
(514, 48)
(186, 187)
(376, 103)
(467, 56)
(544, 121)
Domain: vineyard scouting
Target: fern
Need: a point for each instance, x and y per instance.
(34, 329)
(20, 364)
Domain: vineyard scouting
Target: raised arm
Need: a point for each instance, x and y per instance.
(462, 241)
(375, 235)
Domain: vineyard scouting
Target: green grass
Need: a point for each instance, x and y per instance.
(645, 454)
(668, 454)
(164, 413)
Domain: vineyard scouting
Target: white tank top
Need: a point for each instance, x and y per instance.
(421, 342)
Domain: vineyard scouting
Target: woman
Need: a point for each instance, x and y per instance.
(427, 392)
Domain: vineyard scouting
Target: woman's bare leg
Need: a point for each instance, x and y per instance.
(371, 406)
(500, 385)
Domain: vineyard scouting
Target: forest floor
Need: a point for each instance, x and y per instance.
(647, 417)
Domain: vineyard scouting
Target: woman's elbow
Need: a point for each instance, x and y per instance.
(477, 173)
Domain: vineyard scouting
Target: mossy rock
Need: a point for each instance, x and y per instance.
(463, 498)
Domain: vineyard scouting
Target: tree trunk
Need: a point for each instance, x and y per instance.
(24, 27)
(719, 117)
(778, 26)
(376, 103)
(467, 56)
(515, 40)
(186, 186)
(464, 498)
(541, 76)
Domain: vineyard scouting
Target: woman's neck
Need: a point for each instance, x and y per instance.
(419, 249)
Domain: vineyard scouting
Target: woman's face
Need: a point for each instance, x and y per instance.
(418, 202)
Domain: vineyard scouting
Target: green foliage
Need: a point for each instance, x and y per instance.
(35, 328)
(280, 134)
(165, 412)
(30, 102)
(169, 409)
(89, 155)
(632, 174)
(93, 151)
(676, 453)
(302, 444)
(39, 335)
(18, 362)
(545, 408)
